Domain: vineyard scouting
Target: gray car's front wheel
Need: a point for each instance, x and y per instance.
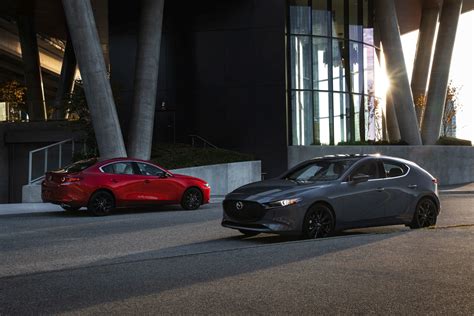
(319, 222)
(426, 213)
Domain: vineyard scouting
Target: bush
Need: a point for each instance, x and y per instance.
(452, 141)
(173, 156)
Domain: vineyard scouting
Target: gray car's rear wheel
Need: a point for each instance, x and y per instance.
(192, 199)
(319, 222)
(249, 233)
(101, 203)
(426, 213)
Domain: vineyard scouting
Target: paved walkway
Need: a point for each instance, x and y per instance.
(26, 208)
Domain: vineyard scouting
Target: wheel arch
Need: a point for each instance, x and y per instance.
(433, 198)
(328, 205)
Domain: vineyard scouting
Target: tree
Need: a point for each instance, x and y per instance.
(451, 108)
(13, 93)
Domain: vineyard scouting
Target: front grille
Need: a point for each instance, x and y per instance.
(250, 211)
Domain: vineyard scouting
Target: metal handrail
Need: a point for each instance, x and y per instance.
(204, 141)
(45, 166)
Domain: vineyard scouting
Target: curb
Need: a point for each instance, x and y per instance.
(452, 192)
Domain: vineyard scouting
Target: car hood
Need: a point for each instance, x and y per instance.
(185, 177)
(272, 190)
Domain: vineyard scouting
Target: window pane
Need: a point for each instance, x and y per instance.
(321, 118)
(355, 21)
(302, 117)
(320, 64)
(340, 113)
(300, 17)
(356, 64)
(300, 62)
(338, 70)
(338, 18)
(357, 105)
(321, 18)
(149, 170)
(369, 78)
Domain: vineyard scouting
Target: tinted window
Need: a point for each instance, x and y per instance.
(323, 170)
(119, 168)
(394, 169)
(367, 168)
(80, 165)
(149, 170)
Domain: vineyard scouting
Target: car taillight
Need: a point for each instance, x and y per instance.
(70, 179)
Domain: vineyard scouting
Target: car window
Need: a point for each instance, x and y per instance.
(119, 168)
(80, 165)
(394, 169)
(149, 170)
(322, 170)
(367, 168)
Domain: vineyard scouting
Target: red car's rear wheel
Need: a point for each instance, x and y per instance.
(101, 203)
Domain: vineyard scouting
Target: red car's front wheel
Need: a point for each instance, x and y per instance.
(192, 199)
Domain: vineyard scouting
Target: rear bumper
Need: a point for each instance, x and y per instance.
(70, 195)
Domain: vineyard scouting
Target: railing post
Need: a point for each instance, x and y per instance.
(60, 155)
(30, 166)
(45, 160)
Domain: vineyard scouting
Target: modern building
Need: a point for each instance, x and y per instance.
(255, 76)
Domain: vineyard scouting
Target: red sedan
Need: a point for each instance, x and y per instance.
(105, 185)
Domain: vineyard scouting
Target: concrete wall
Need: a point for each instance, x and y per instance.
(224, 178)
(450, 164)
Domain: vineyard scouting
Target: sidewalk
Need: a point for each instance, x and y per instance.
(28, 208)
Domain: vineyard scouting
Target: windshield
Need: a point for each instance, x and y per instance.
(79, 165)
(322, 170)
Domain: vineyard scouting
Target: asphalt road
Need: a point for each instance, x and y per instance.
(173, 261)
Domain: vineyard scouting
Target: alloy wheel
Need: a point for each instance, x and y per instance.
(101, 203)
(319, 222)
(192, 199)
(426, 213)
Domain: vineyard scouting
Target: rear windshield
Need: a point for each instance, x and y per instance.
(79, 165)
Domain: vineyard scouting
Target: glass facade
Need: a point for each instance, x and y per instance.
(332, 61)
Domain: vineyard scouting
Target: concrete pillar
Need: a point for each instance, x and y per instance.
(146, 79)
(396, 71)
(440, 71)
(32, 68)
(66, 81)
(393, 130)
(421, 69)
(83, 31)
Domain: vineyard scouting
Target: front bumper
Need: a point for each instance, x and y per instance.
(281, 220)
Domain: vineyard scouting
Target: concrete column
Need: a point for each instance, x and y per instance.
(421, 69)
(393, 130)
(146, 79)
(440, 71)
(396, 71)
(83, 31)
(66, 81)
(32, 68)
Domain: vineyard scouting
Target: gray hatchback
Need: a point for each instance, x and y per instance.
(332, 193)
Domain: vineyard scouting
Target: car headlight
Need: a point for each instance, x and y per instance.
(282, 203)
(207, 185)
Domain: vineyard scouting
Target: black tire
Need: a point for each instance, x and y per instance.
(426, 214)
(192, 199)
(249, 233)
(319, 222)
(101, 203)
(68, 208)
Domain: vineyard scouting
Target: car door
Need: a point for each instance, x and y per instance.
(398, 188)
(123, 179)
(362, 202)
(157, 185)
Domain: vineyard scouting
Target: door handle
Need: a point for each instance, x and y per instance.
(380, 189)
(412, 186)
(147, 181)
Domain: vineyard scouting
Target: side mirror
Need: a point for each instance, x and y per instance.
(360, 178)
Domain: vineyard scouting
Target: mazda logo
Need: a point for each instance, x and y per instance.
(239, 205)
